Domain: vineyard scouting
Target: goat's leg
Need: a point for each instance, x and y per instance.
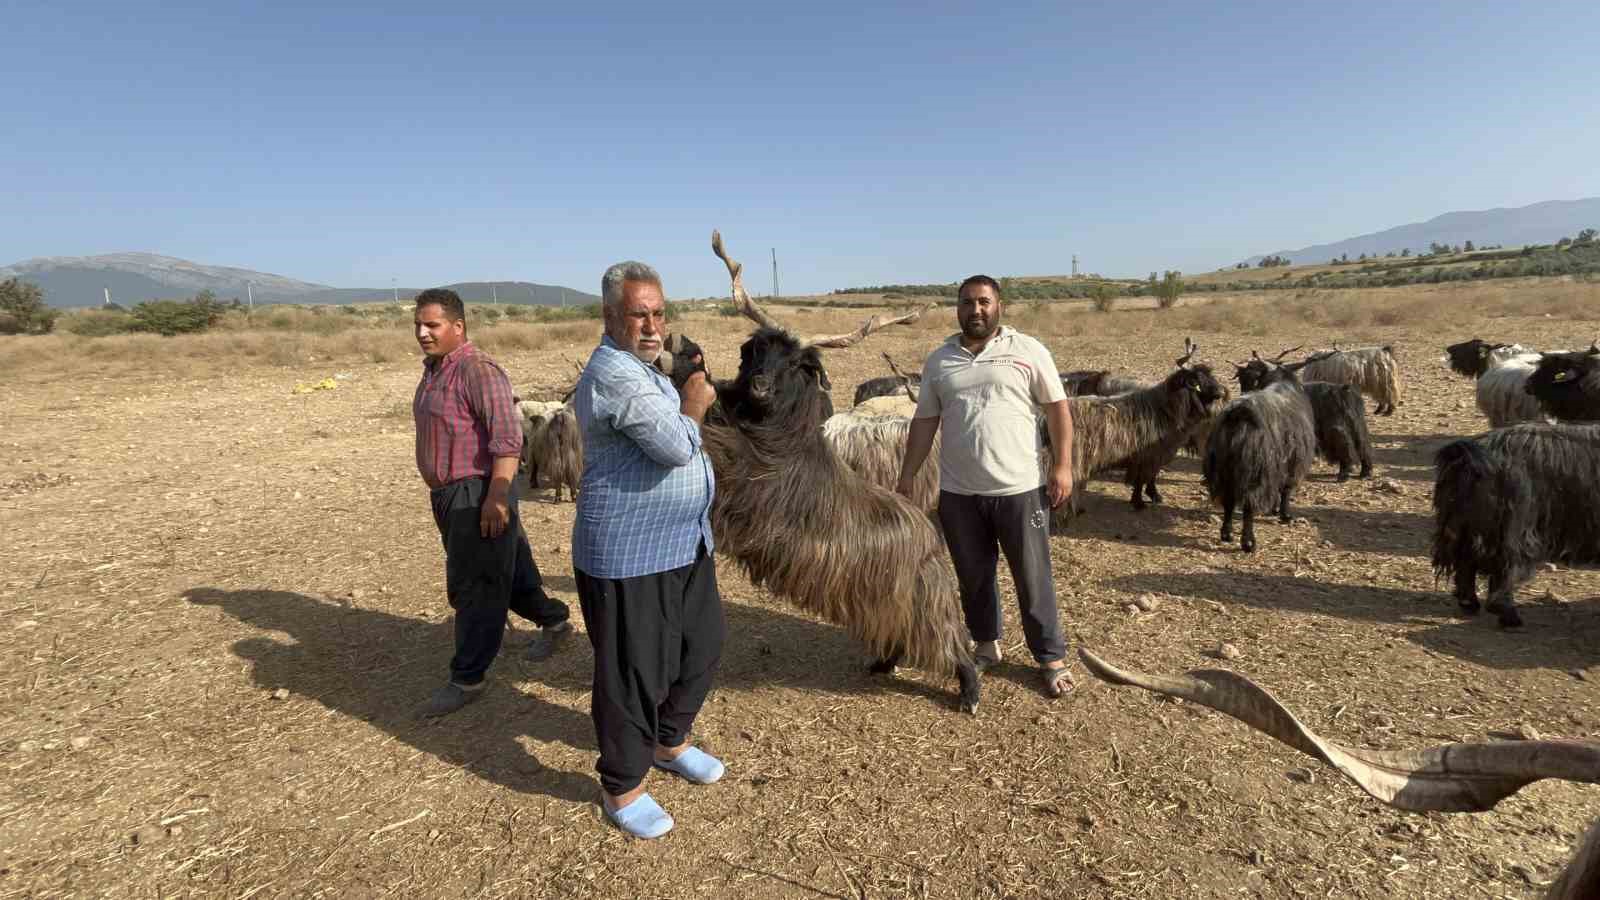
(1502, 598)
(1227, 522)
(967, 673)
(886, 666)
(1283, 504)
(1466, 580)
(1247, 534)
(1151, 492)
(1138, 497)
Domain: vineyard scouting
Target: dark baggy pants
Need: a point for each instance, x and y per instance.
(484, 577)
(1020, 525)
(657, 641)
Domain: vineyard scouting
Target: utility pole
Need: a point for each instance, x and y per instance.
(108, 294)
(494, 293)
(249, 291)
(1074, 265)
(394, 287)
(774, 273)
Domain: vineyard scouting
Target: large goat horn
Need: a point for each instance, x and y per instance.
(1285, 352)
(1190, 348)
(904, 378)
(741, 297)
(1451, 778)
(838, 341)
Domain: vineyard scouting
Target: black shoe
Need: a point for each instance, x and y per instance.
(450, 698)
(547, 642)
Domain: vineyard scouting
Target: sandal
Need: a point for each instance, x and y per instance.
(1058, 682)
(986, 655)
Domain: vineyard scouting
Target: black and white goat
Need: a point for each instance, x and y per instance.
(1259, 451)
(1337, 410)
(1501, 372)
(1506, 501)
(1567, 385)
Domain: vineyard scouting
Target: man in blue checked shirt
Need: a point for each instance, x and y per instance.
(641, 554)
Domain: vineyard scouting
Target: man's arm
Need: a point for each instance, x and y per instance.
(648, 418)
(1058, 419)
(918, 442)
(489, 400)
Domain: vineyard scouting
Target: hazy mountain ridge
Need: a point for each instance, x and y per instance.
(69, 281)
(1538, 223)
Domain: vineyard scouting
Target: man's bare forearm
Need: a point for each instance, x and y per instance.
(505, 469)
(1058, 419)
(919, 441)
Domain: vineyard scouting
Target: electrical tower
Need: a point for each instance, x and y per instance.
(1074, 265)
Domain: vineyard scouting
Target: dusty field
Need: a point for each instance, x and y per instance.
(224, 602)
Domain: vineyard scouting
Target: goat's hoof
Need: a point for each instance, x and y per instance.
(1510, 619)
(1342, 477)
(1469, 607)
(1248, 545)
(1285, 520)
(1366, 472)
(882, 667)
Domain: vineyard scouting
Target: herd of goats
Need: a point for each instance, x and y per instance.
(805, 505)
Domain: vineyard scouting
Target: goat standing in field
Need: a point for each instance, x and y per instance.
(806, 527)
(1501, 372)
(1372, 369)
(1567, 385)
(1337, 409)
(1259, 452)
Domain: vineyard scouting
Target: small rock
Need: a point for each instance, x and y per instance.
(995, 783)
(1553, 597)
(1551, 567)
(1523, 872)
(1086, 822)
(1528, 732)
(145, 835)
(1130, 609)
(745, 735)
(759, 780)
(1302, 774)
(1147, 602)
(1227, 651)
(355, 593)
(1257, 858)
(280, 694)
(175, 831)
(81, 742)
(1579, 674)
(1388, 486)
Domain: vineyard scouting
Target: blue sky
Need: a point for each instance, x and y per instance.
(868, 144)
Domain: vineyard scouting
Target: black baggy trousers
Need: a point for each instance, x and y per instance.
(657, 641)
(1020, 525)
(484, 577)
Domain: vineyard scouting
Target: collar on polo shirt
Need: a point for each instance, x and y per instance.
(1006, 331)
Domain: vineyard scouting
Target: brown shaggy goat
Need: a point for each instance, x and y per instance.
(807, 528)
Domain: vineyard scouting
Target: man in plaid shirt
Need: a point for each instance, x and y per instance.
(468, 441)
(641, 554)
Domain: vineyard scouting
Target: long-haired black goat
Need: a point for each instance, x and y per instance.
(810, 530)
(1501, 372)
(1506, 501)
(1337, 410)
(1567, 385)
(1259, 451)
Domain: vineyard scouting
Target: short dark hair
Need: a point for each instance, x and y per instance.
(983, 280)
(446, 299)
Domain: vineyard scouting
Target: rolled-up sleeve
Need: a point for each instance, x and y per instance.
(489, 398)
(650, 418)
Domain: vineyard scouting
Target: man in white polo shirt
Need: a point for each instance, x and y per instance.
(983, 385)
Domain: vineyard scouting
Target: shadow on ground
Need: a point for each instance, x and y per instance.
(379, 667)
(1558, 636)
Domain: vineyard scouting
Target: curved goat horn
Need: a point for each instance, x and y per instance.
(741, 297)
(1285, 352)
(905, 379)
(1451, 778)
(1190, 348)
(849, 338)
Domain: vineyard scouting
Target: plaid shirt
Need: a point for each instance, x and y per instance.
(644, 505)
(465, 419)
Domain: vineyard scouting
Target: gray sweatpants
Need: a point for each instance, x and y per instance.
(976, 529)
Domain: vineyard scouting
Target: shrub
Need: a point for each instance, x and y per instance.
(98, 323)
(23, 310)
(171, 317)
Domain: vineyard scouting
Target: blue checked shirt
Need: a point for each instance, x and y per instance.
(644, 504)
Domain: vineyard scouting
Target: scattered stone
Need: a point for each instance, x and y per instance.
(175, 831)
(1523, 872)
(1528, 732)
(1227, 651)
(1302, 774)
(1553, 597)
(745, 735)
(280, 694)
(1130, 609)
(145, 835)
(995, 783)
(1579, 674)
(81, 742)
(1388, 486)
(759, 780)
(355, 593)
(1147, 602)
(28, 747)
(1551, 567)
(1257, 858)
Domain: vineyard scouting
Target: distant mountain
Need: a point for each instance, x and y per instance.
(1540, 223)
(132, 277)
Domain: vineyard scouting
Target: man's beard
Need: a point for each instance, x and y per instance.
(648, 357)
(979, 330)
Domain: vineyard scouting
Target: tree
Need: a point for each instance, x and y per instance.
(1168, 289)
(23, 310)
(1405, 251)
(1468, 247)
(1586, 236)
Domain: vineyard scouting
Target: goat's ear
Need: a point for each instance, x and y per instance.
(671, 343)
(822, 379)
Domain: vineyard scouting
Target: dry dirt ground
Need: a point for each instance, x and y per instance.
(224, 602)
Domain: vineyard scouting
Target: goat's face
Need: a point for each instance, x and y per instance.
(1258, 373)
(778, 379)
(687, 359)
(1083, 382)
(1195, 389)
(1470, 358)
(1567, 385)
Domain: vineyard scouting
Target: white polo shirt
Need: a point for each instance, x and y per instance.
(988, 408)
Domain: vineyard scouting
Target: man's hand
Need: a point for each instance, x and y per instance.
(494, 515)
(1060, 485)
(697, 396)
(904, 487)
